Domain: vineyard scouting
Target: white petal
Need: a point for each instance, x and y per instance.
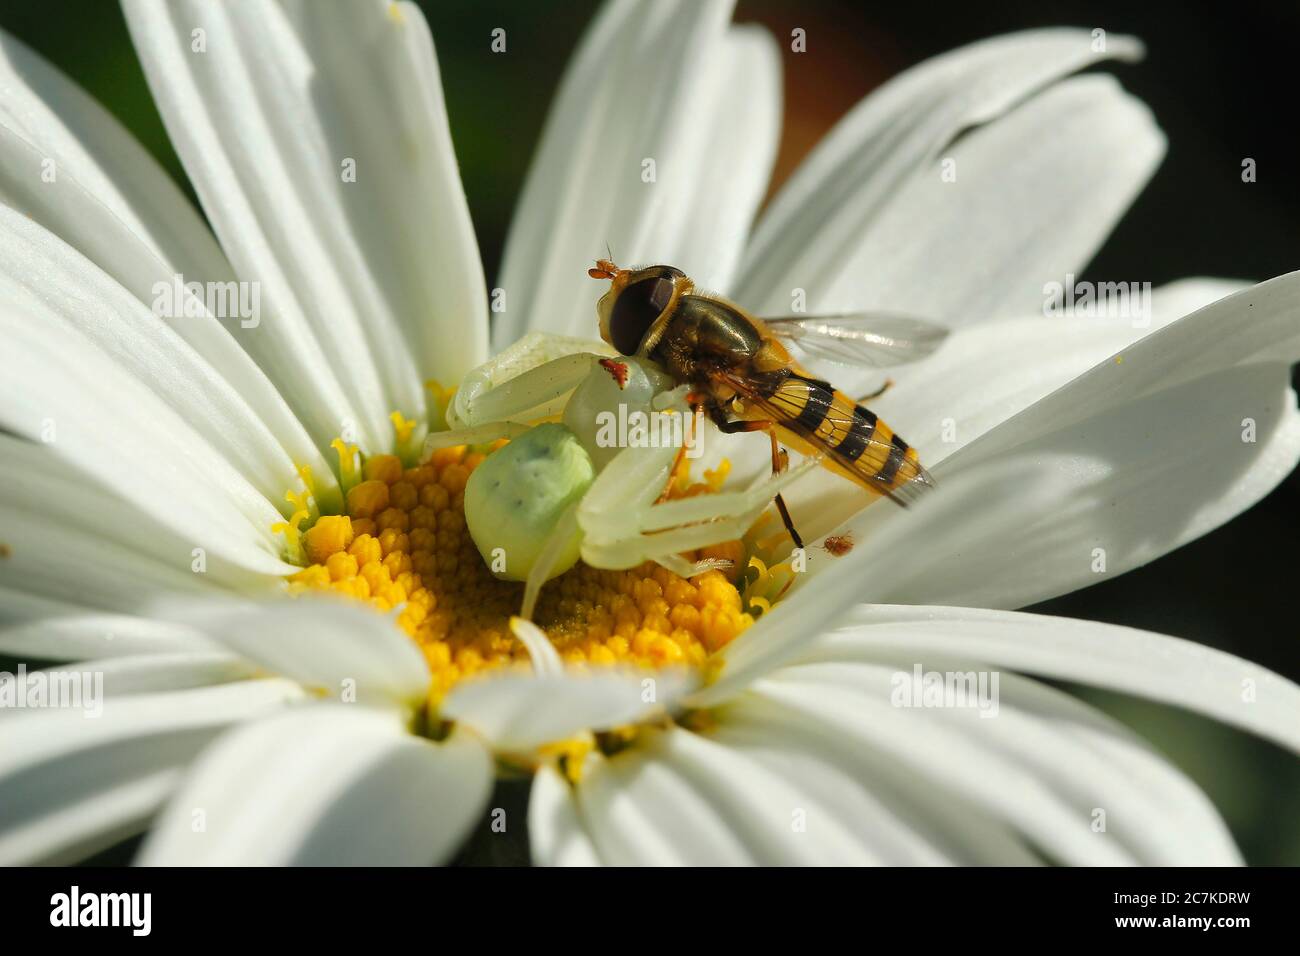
(72, 785)
(412, 216)
(902, 817)
(110, 201)
(518, 712)
(725, 161)
(1185, 296)
(1046, 753)
(270, 121)
(541, 652)
(339, 648)
(988, 372)
(1256, 326)
(64, 295)
(117, 809)
(94, 155)
(873, 186)
(677, 798)
(1026, 208)
(1123, 488)
(666, 82)
(55, 504)
(60, 562)
(831, 586)
(41, 629)
(955, 758)
(640, 811)
(1154, 666)
(157, 673)
(556, 833)
(69, 395)
(324, 785)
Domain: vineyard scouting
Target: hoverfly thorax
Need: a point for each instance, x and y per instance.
(638, 304)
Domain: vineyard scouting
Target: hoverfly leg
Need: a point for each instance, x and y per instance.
(698, 408)
(788, 521)
(889, 383)
(780, 460)
(672, 476)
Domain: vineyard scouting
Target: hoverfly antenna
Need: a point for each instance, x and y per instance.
(605, 269)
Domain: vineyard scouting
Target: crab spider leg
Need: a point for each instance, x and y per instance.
(634, 547)
(534, 349)
(635, 475)
(630, 482)
(478, 435)
(619, 540)
(669, 514)
(682, 511)
(564, 531)
(533, 394)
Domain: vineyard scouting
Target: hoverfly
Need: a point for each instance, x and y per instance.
(735, 363)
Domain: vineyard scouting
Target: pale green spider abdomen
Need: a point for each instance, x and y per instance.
(516, 497)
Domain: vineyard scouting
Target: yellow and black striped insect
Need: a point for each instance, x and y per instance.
(737, 365)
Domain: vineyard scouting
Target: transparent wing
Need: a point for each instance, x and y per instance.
(873, 339)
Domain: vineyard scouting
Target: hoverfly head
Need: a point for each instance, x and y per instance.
(634, 301)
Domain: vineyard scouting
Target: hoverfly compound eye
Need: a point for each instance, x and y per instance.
(638, 306)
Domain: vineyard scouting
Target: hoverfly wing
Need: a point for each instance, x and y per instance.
(872, 339)
(858, 445)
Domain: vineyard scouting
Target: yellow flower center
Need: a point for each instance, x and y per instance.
(403, 546)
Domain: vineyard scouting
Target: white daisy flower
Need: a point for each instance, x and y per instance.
(147, 535)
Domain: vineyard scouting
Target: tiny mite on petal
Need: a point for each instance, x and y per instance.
(838, 545)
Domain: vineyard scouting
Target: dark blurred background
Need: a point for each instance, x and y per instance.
(1222, 80)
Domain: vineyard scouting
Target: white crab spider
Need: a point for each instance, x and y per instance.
(616, 520)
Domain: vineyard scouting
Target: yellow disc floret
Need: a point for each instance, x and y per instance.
(403, 546)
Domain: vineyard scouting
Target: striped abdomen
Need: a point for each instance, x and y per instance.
(856, 443)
